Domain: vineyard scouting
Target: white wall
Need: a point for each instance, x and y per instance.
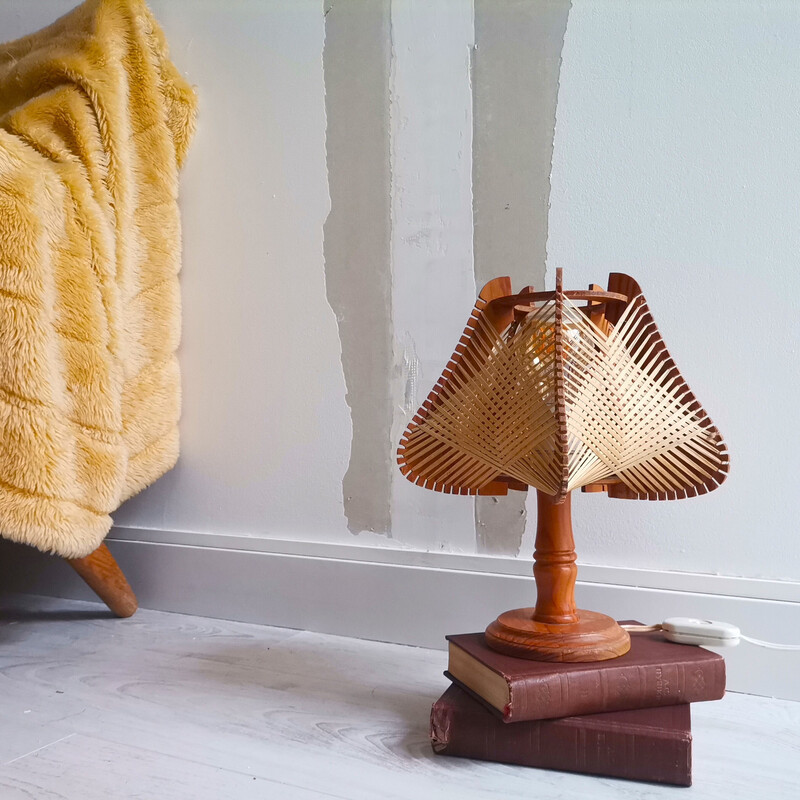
(674, 160)
(265, 431)
(677, 160)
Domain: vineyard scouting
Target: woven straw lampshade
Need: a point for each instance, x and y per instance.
(541, 392)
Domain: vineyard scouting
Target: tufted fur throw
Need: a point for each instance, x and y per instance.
(95, 122)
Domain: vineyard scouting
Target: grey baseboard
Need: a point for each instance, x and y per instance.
(413, 604)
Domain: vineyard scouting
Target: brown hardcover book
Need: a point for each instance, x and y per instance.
(654, 672)
(643, 744)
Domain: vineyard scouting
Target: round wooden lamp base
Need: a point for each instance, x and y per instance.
(594, 637)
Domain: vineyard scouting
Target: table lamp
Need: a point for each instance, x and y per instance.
(562, 390)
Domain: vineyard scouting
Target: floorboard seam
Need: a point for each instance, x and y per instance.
(39, 749)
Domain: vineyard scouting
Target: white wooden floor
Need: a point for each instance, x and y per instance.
(171, 707)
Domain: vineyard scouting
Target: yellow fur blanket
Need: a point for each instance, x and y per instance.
(95, 122)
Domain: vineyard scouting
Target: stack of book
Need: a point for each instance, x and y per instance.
(628, 717)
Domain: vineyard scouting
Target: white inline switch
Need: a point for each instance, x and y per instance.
(686, 630)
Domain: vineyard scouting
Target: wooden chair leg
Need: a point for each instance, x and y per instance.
(103, 575)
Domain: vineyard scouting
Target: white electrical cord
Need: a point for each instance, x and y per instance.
(773, 645)
(686, 630)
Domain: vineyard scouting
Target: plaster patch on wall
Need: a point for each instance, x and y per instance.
(356, 60)
(500, 523)
(515, 71)
(410, 368)
(433, 284)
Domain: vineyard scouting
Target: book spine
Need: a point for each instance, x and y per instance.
(645, 755)
(615, 689)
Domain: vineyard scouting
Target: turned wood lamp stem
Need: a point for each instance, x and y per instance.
(555, 630)
(554, 561)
